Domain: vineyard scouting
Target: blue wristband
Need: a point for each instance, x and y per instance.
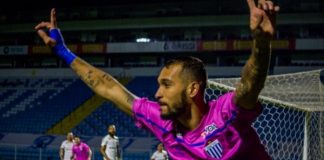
(60, 48)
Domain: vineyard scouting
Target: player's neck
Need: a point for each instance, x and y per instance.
(193, 116)
(111, 135)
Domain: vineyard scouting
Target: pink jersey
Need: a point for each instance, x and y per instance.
(81, 152)
(225, 132)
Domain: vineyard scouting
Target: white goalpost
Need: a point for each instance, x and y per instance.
(291, 124)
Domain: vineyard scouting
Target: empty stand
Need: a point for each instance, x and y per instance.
(32, 105)
(96, 123)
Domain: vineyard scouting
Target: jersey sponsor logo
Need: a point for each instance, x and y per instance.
(208, 129)
(214, 149)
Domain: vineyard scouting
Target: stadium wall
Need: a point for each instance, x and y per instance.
(140, 71)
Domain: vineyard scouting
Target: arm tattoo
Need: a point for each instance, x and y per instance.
(104, 85)
(255, 71)
(130, 99)
(91, 79)
(106, 77)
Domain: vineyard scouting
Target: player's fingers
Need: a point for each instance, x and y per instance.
(38, 26)
(262, 5)
(276, 8)
(53, 18)
(43, 35)
(47, 40)
(269, 5)
(251, 3)
(43, 25)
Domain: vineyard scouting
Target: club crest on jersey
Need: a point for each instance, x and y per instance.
(208, 129)
(214, 149)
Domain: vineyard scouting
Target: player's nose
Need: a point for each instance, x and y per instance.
(158, 94)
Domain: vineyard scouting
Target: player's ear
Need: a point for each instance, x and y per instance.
(192, 89)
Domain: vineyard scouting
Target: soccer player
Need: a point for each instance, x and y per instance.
(80, 150)
(189, 127)
(160, 154)
(66, 147)
(110, 149)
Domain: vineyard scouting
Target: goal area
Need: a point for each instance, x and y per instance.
(291, 126)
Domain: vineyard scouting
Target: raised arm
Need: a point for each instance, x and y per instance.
(104, 85)
(100, 82)
(254, 73)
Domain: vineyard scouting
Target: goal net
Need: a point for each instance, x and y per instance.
(291, 125)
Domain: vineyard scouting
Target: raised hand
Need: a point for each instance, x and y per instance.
(263, 17)
(55, 38)
(49, 25)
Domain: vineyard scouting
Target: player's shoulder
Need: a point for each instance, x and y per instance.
(112, 137)
(164, 152)
(144, 101)
(222, 99)
(85, 144)
(64, 142)
(105, 137)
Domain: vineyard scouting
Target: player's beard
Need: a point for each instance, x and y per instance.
(111, 134)
(177, 109)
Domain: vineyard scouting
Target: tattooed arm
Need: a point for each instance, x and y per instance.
(100, 82)
(254, 73)
(104, 85)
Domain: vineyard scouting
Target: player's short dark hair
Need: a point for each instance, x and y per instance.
(110, 125)
(193, 66)
(76, 136)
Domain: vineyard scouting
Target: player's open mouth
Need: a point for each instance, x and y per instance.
(162, 103)
(163, 106)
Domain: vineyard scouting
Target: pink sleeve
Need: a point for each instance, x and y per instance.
(86, 147)
(147, 115)
(226, 106)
